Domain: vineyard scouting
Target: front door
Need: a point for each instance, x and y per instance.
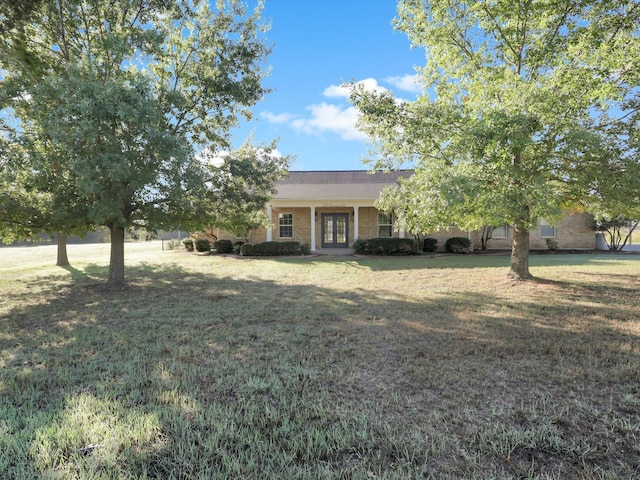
(335, 230)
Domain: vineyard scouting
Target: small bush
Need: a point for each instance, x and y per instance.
(305, 249)
(202, 245)
(173, 244)
(236, 247)
(223, 246)
(247, 250)
(458, 245)
(429, 245)
(385, 246)
(268, 249)
(551, 244)
(188, 244)
(359, 246)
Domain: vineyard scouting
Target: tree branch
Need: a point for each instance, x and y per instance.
(502, 34)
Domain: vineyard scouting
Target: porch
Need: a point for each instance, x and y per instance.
(328, 228)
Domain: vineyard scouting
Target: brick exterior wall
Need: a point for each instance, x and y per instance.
(368, 223)
(301, 224)
(572, 232)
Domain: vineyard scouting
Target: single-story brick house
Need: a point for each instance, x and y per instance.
(331, 209)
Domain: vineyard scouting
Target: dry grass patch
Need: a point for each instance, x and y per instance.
(216, 367)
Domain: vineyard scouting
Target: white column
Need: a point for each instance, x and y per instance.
(355, 223)
(401, 233)
(269, 231)
(313, 228)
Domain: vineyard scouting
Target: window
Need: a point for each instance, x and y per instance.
(285, 224)
(385, 225)
(500, 231)
(546, 230)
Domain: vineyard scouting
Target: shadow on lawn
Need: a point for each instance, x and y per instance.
(182, 371)
(440, 261)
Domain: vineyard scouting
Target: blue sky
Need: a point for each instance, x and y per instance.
(317, 45)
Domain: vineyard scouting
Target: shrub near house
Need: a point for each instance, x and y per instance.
(188, 244)
(458, 245)
(202, 245)
(223, 246)
(267, 249)
(385, 246)
(429, 245)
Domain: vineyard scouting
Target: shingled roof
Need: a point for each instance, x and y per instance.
(344, 185)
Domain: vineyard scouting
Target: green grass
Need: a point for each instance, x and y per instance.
(318, 368)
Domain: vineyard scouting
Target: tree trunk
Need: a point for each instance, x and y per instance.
(116, 260)
(520, 253)
(485, 236)
(62, 259)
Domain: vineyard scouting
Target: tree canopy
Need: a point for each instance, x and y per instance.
(239, 186)
(517, 115)
(112, 101)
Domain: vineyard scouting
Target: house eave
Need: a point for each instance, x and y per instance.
(319, 203)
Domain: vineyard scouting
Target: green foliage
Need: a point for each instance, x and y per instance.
(29, 203)
(202, 245)
(499, 135)
(385, 246)
(359, 246)
(458, 245)
(112, 106)
(429, 244)
(241, 183)
(552, 244)
(237, 246)
(188, 244)
(13, 15)
(305, 249)
(267, 249)
(223, 246)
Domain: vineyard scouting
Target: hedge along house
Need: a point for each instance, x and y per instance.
(331, 209)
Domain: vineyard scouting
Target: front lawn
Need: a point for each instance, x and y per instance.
(318, 367)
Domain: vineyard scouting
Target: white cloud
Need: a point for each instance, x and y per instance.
(215, 159)
(278, 117)
(371, 85)
(265, 155)
(329, 117)
(336, 119)
(336, 91)
(408, 83)
(344, 90)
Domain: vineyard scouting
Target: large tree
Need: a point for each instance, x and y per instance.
(517, 98)
(614, 197)
(36, 194)
(239, 185)
(126, 93)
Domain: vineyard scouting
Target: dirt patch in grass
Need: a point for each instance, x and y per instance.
(212, 367)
